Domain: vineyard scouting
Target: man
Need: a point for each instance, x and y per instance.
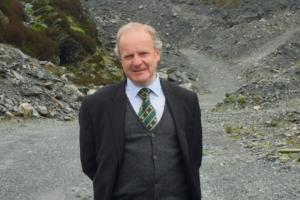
(141, 139)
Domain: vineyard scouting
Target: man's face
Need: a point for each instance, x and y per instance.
(139, 57)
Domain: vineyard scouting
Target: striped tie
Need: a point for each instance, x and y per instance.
(147, 113)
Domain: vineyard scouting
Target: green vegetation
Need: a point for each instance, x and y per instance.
(16, 33)
(221, 3)
(59, 31)
(75, 26)
(229, 129)
(41, 29)
(238, 100)
(285, 147)
(100, 68)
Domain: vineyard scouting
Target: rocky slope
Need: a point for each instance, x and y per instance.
(244, 55)
(29, 89)
(61, 32)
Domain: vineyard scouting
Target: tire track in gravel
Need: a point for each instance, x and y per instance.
(215, 76)
(267, 48)
(229, 171)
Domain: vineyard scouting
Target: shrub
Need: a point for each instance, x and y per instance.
(53, 21)
(71, 7)
(15, 33)
(44, 47)
(36, 44)
(87, 42)
(13, 9)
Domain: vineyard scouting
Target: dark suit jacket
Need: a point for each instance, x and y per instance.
(101, 119)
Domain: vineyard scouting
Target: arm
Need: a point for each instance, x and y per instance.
(198, 127)
(86, 138)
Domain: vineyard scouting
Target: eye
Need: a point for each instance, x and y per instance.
(128, 57)
(143, 54)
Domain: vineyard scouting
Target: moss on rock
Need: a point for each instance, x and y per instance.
(59, 31)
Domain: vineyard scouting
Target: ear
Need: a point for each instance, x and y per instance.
(157, 52)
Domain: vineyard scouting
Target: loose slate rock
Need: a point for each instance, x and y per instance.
(28, 88)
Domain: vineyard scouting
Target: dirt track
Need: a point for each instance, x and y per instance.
(40, 161)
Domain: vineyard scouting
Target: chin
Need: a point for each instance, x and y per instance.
(140, 82)
(140, 79)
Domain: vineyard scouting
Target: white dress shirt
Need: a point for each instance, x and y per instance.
(157, 97)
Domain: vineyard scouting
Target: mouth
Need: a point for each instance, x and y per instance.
(138, 70)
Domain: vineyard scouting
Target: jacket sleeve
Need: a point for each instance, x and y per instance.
(198, 127)
(86, 140)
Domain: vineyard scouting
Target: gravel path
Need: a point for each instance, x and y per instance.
(231, 172)
(40, 161)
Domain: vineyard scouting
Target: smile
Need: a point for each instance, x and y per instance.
(138, 70)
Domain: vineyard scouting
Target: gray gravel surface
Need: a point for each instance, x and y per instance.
(40, 161)
(231, 172)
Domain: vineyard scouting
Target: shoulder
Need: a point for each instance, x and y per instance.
(175, 89)
(105, 93)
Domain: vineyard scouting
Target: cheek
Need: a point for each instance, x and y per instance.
(125, 65)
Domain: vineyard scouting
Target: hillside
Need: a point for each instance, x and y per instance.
(61, 32)
(240, 55)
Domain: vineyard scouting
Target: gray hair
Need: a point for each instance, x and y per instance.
(136, 25)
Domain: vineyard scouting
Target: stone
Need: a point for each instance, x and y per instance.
(291, 150)
(9, 115)
(40, 74)
(53, 114)
(26, 80)
(188, 86)
(9, 102)
(32, 91)
(18, 76)
(2, 98)
(163, 75)
(35, 113)
(91, 91)
(3, 109)
(72, 89)
(42, 110)
(48, 85)
(257, 108)
(43, 62)
(83, 90)
(68, 118)
(3, 18)
(26, 110)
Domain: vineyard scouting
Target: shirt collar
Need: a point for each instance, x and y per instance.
(154, 86)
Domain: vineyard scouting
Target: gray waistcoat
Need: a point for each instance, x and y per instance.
(152, 167)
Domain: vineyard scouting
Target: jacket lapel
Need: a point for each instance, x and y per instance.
(176, 106)
(117, 108)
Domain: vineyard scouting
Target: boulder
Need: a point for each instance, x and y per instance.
(26, 110)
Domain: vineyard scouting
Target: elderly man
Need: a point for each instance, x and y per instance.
(141, 139)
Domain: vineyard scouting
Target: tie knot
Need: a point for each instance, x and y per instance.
(144, 93)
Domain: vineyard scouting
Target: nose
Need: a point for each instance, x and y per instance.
(136, 61)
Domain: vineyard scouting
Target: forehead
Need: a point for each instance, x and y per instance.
(135, 36)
